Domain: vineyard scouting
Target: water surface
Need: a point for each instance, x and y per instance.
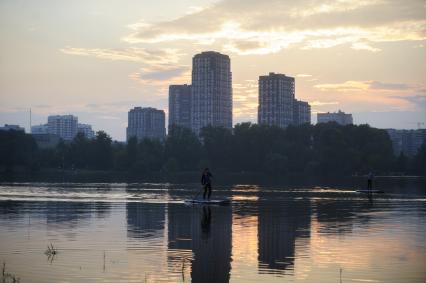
(146, 233)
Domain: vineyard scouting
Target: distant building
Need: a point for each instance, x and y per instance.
(40, 129)
(301, 112)
(276, 99)
(8, 127)
(64, 126)
(180, 105)
(146, 123)
(211, 91)
(86, 129)
(407, 141)
(339, 117)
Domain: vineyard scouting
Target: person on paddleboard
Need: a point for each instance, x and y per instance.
(207, 183)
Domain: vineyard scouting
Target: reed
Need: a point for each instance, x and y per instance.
(51, 251)
(8, 277)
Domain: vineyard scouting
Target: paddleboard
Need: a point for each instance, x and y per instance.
(201, 201)
(370, 191)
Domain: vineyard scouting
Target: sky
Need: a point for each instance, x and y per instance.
(97, 59)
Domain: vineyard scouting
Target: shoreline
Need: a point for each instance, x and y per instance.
(221, 177)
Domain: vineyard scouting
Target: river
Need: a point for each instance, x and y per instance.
(146, 233)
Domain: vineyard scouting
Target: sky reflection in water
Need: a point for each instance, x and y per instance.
(145, 233)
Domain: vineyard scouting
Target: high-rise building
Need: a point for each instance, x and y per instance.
(276, 99)
(301, 112)
(86, 129)
(211, 91)
(339, 117)
(64, 126)
(180, 105)
(146, 123)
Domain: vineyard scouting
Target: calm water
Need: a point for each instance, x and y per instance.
(146, 233)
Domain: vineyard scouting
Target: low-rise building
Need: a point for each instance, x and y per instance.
(407, 141)
(40, 129)
(339, 117)
(86, 129)
(8, 127)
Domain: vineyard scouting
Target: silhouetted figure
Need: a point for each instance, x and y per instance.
(205, 221)
(370, 181)
(206, 182)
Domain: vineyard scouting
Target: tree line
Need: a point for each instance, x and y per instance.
(314, 150)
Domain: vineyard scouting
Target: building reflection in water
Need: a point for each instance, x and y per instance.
(145, 220)
(206, 231)
(279, 225)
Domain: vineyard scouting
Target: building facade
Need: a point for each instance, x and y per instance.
(40, 129)
(339, 117)
(211, 91)
(407, 142)
(146, 123)
(301, 112)
(64, 126)
(180, 106)
(86, 129)
(276, 99)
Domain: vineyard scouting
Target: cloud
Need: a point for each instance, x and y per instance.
(419, 101)
(344, 87)
(141, 55)
(162, 76)
(262, 27)
(349, 86)
(101, 109)
(322, 103)
(162, 73)
(389, 86)
(364, 46)
(374, 96)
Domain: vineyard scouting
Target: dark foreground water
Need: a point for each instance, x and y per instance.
(145, 233)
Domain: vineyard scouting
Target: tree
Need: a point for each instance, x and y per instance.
(420, 160)
(151, 156)
(217, 144)
(79, 151)
(401, 163)
(183, 146)
(101, 151)
(17, 149)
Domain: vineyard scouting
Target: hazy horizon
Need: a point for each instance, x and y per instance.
(98, 59)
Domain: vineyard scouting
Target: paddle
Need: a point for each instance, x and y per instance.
(196, 195)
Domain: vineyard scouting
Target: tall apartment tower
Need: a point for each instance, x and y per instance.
(180, 106)
(211, 91)
(301, 112)
(276, 98)
(64, 126)
(146, 123)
